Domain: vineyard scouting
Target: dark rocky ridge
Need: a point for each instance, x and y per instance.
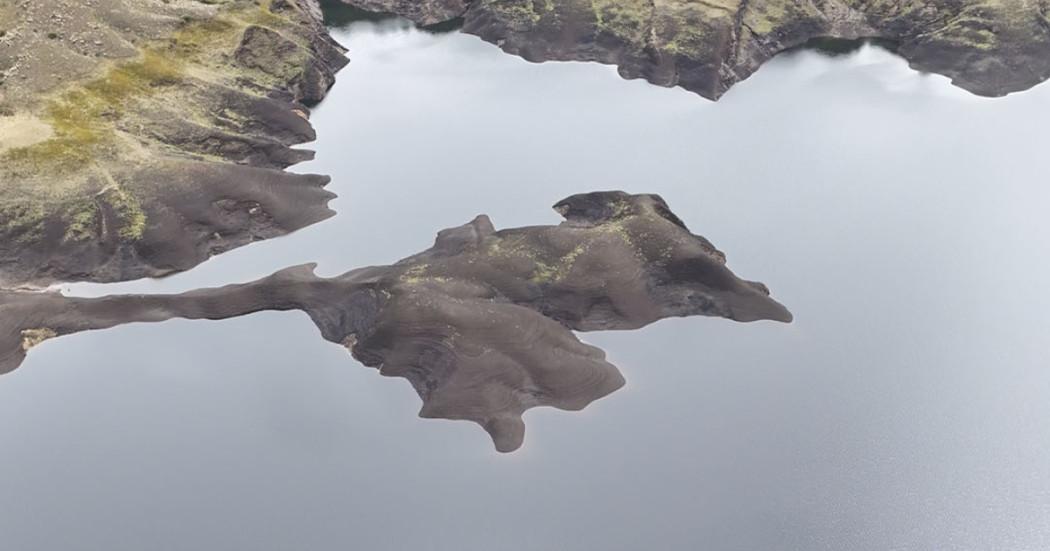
(989, 47)
(171, 148)
(481, 323)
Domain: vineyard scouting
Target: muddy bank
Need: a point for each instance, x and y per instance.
(988, 48)
(481, 324)
(148, 135)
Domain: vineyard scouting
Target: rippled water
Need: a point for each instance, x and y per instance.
(902, 220)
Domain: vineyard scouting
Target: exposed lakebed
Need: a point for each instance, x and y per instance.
(901, 219)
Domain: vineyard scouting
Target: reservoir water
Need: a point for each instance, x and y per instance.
(901, 219)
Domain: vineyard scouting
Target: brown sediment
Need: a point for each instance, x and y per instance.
(481, 324)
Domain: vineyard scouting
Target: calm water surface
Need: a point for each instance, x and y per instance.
(902, 220)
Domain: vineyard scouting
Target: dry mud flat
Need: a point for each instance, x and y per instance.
(143, 136)
(482, 323)
(989, 47)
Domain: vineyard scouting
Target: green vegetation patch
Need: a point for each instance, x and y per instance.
(47, 180)
(128, 211)
(560, 268)
(22, 221)
(84, 117)
(628, 19)
(520, 13)
(694, 30)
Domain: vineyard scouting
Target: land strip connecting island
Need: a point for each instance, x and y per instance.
(138, 138)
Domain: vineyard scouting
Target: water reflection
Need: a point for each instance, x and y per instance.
(902, 219)
(834, 47)
(339, 15)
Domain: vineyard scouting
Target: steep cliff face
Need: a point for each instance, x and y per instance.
(989, 47)
(139, 137)
(481, 323)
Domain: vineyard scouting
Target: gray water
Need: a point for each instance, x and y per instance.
(902, 220)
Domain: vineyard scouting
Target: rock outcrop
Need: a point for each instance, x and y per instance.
(482, 323)
(140, 137)
(989, 47)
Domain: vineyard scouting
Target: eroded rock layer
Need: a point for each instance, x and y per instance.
(989, 47)
(481, 323)
(139, 137)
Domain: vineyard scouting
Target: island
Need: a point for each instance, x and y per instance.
(481, 324)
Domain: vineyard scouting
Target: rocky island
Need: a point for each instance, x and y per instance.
(989, 47)
(140, 137)
(481, 324)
